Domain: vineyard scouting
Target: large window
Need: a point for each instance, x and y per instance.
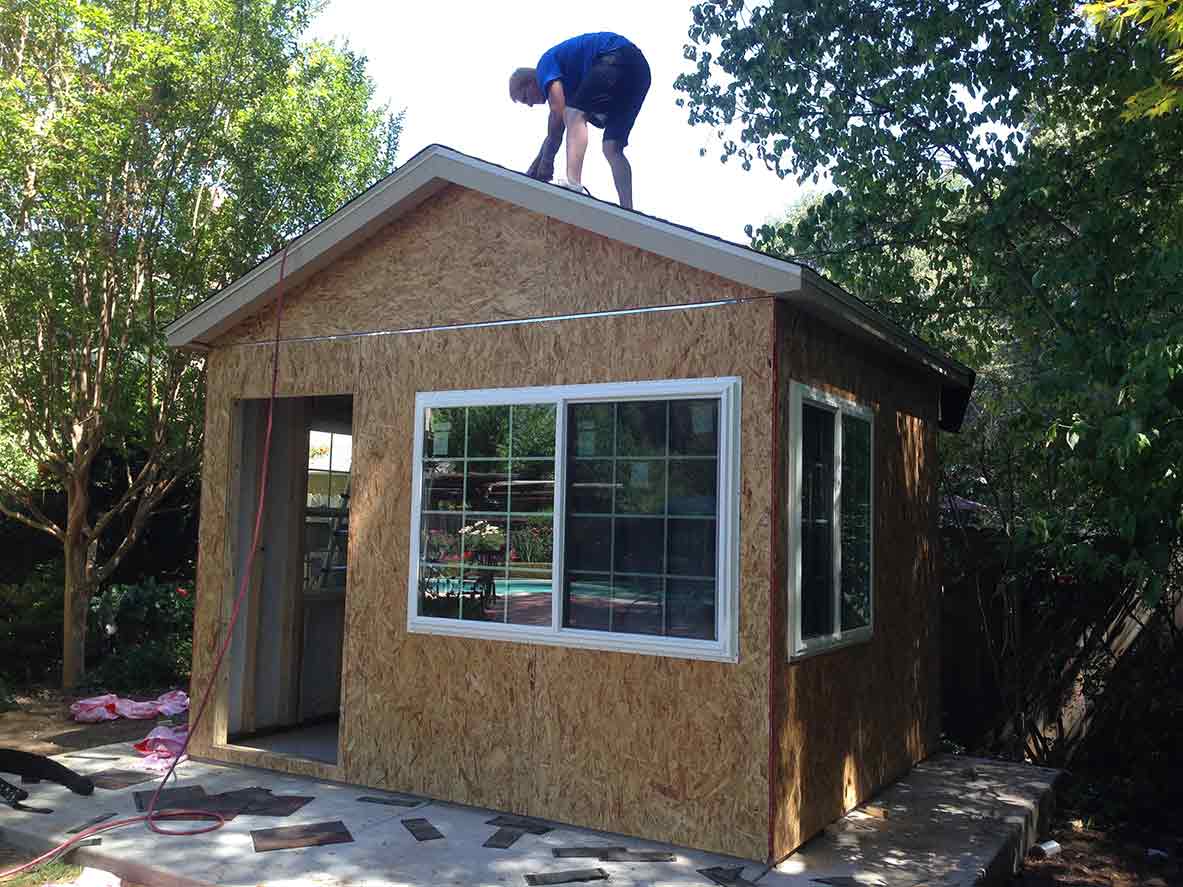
(592, 515)
(831, 519)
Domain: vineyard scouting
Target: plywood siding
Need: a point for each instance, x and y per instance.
(666, 748)
(848, 721)
(463, 257)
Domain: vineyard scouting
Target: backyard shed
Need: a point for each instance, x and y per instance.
(572, 512)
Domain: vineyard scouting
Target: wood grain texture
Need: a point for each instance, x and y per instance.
(848, 721)
(663, 748)
(463, 257)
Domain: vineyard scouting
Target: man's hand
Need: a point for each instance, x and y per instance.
(543, 167)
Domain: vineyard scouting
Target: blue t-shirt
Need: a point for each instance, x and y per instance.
(571, 59)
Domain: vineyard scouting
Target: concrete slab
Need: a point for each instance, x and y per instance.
(942, 828)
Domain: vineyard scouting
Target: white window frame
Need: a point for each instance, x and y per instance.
(725, 648)
(800, 394)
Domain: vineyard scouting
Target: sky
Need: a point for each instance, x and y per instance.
(448, 65)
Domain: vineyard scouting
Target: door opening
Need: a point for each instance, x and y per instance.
(286, 656)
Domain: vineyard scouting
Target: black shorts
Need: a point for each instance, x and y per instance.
(612, 92)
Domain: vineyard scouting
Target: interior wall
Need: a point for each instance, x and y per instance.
(846, 722)
(665, 748)
(263, 656)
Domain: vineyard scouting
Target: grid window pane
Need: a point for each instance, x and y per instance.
(488, 432)
(856, 522)
(443, 486)
(692, 547)
(591, 429)
(527, 595)
(590, 488)
(532, 542)
(641, 428)
(694, 427)
(479, 601)
(439, 538)
(532, 487)
(589, 543)
(642, 513)
(637, 605)
(443, 432)
(484, 541)
(587, 601)
(640, 486)
(690, 608)
(692, 486)
(486, 486)
(534, 431)
(640, 544)
(440, 589)
(817, 519)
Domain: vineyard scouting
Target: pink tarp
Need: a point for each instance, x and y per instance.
(161, 745)
(109, 707)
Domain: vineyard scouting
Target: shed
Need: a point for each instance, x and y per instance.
(572, 512)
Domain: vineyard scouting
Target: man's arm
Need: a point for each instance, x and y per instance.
(543, 166)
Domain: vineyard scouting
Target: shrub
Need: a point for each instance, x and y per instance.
(145, 632)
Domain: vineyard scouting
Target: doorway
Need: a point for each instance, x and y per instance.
(286, 654)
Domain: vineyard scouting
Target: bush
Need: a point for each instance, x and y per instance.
(145, 634)
(31, 626)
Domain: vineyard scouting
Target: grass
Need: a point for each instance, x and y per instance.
(53, 872)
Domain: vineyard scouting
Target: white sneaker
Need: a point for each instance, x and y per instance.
(573, 186)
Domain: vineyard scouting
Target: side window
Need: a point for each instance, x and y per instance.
(831, 521)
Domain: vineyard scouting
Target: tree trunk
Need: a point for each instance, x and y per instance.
(77, 601)
(77, 591)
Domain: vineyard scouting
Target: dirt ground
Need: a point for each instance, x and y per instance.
(1094, 857)
(41, 724)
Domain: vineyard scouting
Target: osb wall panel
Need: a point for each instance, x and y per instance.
(463, 257)
(848, 721)
(671, 749)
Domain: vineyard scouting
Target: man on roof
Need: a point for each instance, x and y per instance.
(598, 78)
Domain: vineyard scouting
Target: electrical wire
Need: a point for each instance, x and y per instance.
(152, 817)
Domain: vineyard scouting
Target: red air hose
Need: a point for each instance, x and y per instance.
(152, 817)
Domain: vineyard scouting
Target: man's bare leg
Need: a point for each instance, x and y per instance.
(576, 122)
(622, 172)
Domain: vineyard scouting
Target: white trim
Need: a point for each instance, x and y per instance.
(436, 166)
(428, 172)
(726, 646)
(799, 647)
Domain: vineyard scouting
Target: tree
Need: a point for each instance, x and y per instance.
(1162, 23)
(149, 152)
(988, 193)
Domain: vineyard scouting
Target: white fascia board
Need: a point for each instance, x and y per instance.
(427, 173)
(728, 260)
(308, 253)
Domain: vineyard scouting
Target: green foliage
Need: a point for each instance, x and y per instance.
(1161, 23)
(988, 194)
(31, 626)
(149, 153)
(146, 633)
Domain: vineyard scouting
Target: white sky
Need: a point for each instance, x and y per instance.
(322, 444)
(449, 66)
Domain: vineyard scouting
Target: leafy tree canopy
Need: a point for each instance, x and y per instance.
(149, 152)
(1161, 21)
(988, 193)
